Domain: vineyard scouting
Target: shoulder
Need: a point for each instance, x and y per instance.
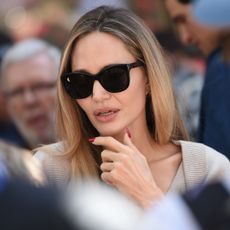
(212, 157)
(54, 149)
(54, 162)
(214, 163)
(218, 164)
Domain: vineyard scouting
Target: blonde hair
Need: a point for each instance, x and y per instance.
(162, 116)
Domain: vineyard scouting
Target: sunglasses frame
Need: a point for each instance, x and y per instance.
(99, 77)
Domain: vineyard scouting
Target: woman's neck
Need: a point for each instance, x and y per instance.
(152, 150)
(149, 148)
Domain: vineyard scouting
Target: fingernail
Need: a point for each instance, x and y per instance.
(128, 133)
(91, 139)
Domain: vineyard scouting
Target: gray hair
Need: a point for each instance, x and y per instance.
(29, 48)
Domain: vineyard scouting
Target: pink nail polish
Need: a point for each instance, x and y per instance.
(91, 139)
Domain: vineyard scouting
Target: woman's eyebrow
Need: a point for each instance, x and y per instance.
(87, 72)
(82, 71)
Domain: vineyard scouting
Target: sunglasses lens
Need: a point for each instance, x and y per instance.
(78, 85)
(115, 79)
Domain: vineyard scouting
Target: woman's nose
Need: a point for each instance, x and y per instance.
(99, 92)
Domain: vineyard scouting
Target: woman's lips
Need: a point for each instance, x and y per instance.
(106, 115)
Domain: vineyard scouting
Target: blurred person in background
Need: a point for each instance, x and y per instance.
(28, 81)
(85, 5)
(8, 131)
(26, 202)
(117, 114)
(25, 206)
(216, 16)
(214, 124)
(187, 79)
(201, 208)
(104, 206)
(19, 163)
(190, 32)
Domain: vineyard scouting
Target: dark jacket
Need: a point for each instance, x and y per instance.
(214, 124)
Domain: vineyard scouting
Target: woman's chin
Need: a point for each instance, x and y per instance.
(116, 134)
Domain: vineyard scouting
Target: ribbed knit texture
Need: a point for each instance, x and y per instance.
(199, 164)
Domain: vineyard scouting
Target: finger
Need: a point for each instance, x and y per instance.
(107, 177)
(110, 143)
(128, 141)
(109, 156)
(107, 166)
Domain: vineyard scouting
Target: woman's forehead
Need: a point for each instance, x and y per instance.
(99, 49)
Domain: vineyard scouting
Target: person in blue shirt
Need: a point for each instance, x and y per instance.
(214, 124)
(215, 105)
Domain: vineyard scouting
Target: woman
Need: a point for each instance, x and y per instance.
(117, 113)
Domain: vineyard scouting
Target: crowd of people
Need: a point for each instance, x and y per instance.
(100, 136)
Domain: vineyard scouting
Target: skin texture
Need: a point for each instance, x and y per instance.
(129, 151)
(32, 112)
(86, 53)
(191, 32)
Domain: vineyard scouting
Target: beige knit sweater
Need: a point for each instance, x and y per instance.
(200, 163)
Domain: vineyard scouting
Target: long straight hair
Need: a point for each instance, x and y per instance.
(163, 120)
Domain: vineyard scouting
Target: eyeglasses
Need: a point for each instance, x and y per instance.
(37, 89)
(114, 78)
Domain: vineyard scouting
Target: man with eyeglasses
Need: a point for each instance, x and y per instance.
(28, 79)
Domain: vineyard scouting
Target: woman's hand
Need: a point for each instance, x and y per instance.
(127, 169)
